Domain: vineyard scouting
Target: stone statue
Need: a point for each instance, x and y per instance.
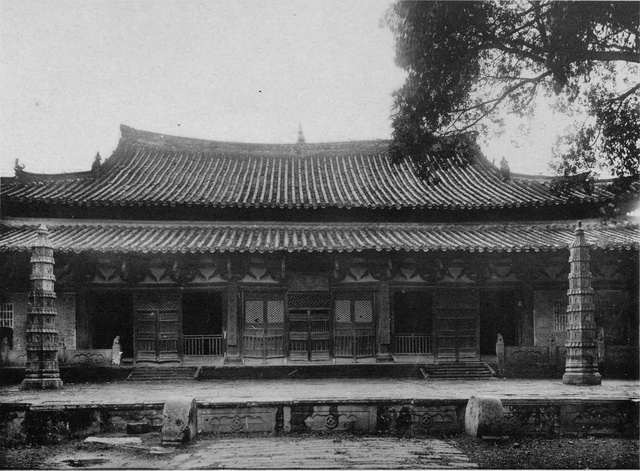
(500, 350)
(116, 352)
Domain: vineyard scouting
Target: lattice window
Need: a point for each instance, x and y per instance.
(560, 318)
(6, 315)
(363, 310)
(275, 312)
(309, 301)
(253, 312)
(170, 303)
(343, 310)
(146, 302)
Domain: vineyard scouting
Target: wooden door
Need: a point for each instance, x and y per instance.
(263, 330)
(157, 327)
(309, 335)
(456, 314)
(309, 326)
(354, 326)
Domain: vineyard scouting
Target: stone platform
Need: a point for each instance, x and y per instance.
(395, 406)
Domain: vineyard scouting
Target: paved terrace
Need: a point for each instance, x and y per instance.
(239, 391)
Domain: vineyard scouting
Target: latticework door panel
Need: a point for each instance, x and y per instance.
(456, 313)
(157, 327)
(354, 327)
(263, 335)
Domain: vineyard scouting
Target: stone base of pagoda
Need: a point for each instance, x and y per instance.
(42, 383)
(582, 379)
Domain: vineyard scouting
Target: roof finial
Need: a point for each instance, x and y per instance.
(95, 167)
(300, 135)
(505, 171)
(18, 169)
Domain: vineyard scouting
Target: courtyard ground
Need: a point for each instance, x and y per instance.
(343, 451)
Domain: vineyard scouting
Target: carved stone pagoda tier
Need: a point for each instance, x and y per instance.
(582, 348)
(42, 370)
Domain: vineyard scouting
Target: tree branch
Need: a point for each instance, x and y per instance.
(622, 97)
(608, 56)
(507, 92)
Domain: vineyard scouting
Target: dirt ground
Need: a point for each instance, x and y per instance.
(552, 453)
(341, 451)
(332, 451)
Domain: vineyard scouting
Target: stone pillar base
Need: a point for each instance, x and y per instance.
(384, 354)
(384, 358)
(48, 383)
(582, 379)
(232, 360)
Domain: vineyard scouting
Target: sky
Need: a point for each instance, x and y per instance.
(231, 70)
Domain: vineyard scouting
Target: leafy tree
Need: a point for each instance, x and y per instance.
(471, 63)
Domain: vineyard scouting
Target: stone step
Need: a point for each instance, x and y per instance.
(461, 371)
(181, 373)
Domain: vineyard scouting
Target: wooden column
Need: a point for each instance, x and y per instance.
(233, 347)
(582, 349)
(383, 354)
(42, 337)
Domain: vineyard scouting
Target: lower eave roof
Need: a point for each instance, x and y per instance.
(268, 237)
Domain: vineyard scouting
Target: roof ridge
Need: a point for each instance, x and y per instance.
(133, 135)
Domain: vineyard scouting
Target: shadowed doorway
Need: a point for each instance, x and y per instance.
(497, 316)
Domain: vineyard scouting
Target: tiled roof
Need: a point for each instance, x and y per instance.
(149, 169)
(190, 237)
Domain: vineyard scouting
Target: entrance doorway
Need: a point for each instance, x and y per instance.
(309, 335)
(309, 326)
(497, 316)
(112, 316)
(456, 313)
(157, 327)
(202, 316)
(412, 322)
(263, 332)
(355, 334)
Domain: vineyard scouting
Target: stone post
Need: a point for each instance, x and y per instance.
(582, 350)
(42, 370)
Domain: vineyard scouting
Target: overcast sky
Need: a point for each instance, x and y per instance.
(72, 71)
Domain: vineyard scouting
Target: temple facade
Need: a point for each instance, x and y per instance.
(203, 252)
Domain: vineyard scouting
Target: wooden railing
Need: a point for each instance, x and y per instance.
(413, 344)
(202, 345)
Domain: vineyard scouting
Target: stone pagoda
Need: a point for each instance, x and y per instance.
(582, 349)
(42, 370)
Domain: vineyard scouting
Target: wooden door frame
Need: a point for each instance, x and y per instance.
(452, 289)
(264, 293)
(364, 292)
(158, 292)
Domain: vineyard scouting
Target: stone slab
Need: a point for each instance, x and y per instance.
(115, 440)
(179, 420)
(237, 419)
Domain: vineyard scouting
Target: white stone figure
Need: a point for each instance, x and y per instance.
(500, 349)
(116, 352)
